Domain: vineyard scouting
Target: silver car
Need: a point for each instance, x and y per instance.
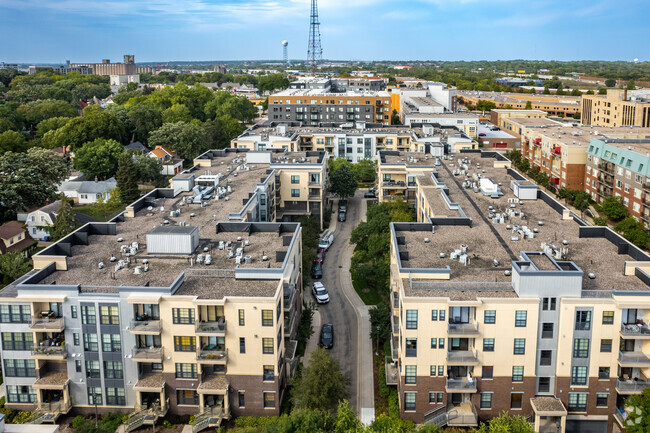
(320, 293)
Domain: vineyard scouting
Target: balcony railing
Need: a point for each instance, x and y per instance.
(463, 328)
(395, 300)
(462, 357)
(634, 330)
(147, 354)
(211, 328)
(633, 358)
(395, 325)
(631, 386)
(152, 327)
(50, 352)
(461, 385)
(212, 356)
(48, 324)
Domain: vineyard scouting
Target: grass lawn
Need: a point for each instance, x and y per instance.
(93, 212)
(368, 295)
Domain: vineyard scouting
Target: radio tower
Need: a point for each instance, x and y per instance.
(314, 50)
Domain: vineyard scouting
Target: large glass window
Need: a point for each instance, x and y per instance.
(21, 394)
(20, 368)
(577, 402)
(580, 347)
(601, 399)
(240, 314)
(520, 346)
(410, 372)
(544, 384)
(411, 319)
(92, 369)
(88, 315)
(409, 400)
(267, 317)
(15, 313)
(488, 345)
(545, 357)
(486, 400)
(490, 317)
(267, 346)
(578, 375)
(186, 371)
(111, 343)
(488, 372)
(90, 342)
(520, 318)
(268, 373)
(183, 316)
(184, 344)
(547, 330)
(109, 315)
(269, 400)
(606, 345)
(113, 370)
(518, 373)
(608, 317)
(295, 179)
(583, 320)
(17, 341)
(115, 397)
(187, 397)
(516, 398)
(411, 347)
(603, 373)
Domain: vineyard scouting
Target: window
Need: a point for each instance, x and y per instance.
(186, 371)
(75, 338)
(295, 179)
(605, 345)
(488, 372)
(15, 313)
(183, 316)
(77, 365)
(20, 394)
(432, 371)
(577, 402)
(549, 304)
(544, 384)
(580, 347)
(109, 315)
(410, 372)
(267, 317)
(409, 401)
(545, 357)
(295, 193)
(20, 368)
(488, 345)
(73, 311)
(441, 315)
(269, 400)
(441, 343)
(411, 347)
(241, 397)
(411, 319)
(547, 330)
(268, 372)
(441, 370)
(111, 343)
(88, 316)
(113, 370)
(184, 344)
(601, 399)
(520, 318)
(435, 397)
(434, 315)
(583, 320)
(520, 346)
(518, 373)
(603, 373)
(242, 345)
(516, 399)
(608, 317)
(90, 342)
(486, 400)
(187, 397)
(578, 375)
(156, 366)
(92, 369)
(267, 346)
(241, 317)
(490, 317)
(434, 343)
(115, 397)
(17, 341)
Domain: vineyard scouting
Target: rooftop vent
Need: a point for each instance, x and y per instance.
(591, 276)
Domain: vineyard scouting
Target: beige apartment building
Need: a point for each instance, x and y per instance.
(504, 300)
(499, 116)
(617, 108)
(554, 105)
(187, 302)
(398, 173)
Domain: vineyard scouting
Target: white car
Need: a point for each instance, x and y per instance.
(320, 293)
(325, 242)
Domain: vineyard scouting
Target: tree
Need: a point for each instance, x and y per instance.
(273, 82)
(127, 183)
(188, 140)
(639, 419)
(576, 92)
(65, 222)
(610, 82)
(51, 124)
(12, 266)
(484, 105)
(176, 113)
(144, 118)
(344, 182)
(96, 123)
(98, 158)
(29, 178)
(630, 85)
(12, 141)
(36, 111)
(107, 205)
(602, 91)
(546, 91)
(346, 420)
(614, 209)
(149, 170)
(394, 118)
(365, 169)
(529, 105)
(321, 385)
(380, 326)
(506, 423)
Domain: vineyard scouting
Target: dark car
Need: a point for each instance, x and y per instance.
(320, 255)
(327, 336)
(341, 216)
(317, 270)
(369, 194)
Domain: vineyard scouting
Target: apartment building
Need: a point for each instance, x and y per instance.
(321, 101)
(499, 117)
(504, 300)
(466, 122)
(617, 108)
(187, 302)
(619, 167)
(425, 97)
(398, 173)
(352, 142)
(554, 105)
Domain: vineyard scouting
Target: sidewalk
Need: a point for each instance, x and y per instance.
(312, 344)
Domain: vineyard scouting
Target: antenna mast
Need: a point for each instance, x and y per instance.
(314, 50)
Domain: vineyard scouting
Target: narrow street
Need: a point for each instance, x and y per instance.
(347, 312)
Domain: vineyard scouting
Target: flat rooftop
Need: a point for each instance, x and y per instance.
(581, 135)
(488, 133)
(327, 92)
(406, 158)
(531, 121)
(487, 241)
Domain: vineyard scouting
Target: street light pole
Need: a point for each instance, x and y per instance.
(377, 335)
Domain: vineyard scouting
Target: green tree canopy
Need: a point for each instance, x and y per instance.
(365, 170)
(51, 124)
(144, 118)
(639, 420)
(321, 385)
(613, 208)
(36, 111)
(176, 113)
(380, 325)
(12, 266)
(65, 221)
(187, 139)
(149, 170)
(343, 182)
(610, 82)
(506, 423)
(484, 105)
(127, 181)
(529, 105)
(96, 123)
(98, 158)
(12, 141)
(271, 83)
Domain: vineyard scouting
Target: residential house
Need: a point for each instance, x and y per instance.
(171, 163)
(13, 237)
(87, 191)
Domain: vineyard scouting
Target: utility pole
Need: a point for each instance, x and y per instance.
(314, 50)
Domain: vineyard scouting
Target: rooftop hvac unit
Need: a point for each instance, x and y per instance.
(181, 239)
(248, 260)
(100, 265)
(208, 259)
(238, 260)
(137, 270)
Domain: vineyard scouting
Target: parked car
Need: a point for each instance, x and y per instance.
(369, 194)
(325, 242)
(320, 293)
(343, 207)
(320, 255)
(341, 216)
(482, 134)
(317, 270)
(327, 336)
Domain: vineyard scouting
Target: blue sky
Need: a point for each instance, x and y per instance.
(166, 30)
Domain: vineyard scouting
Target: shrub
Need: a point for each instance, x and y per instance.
(78, 421)
(600, 221)
(384, 390)
(393, 404)
(254, 421)
(22, 417)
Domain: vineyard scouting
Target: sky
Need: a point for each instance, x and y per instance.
(51, 31)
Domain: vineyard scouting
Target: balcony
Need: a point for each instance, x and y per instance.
(49, 324)
(145, 327)
(631, 386)
(212, 356)
(462, 415)
(462, 357)
(461, 385)
(395, 325)
(394, 344)
(392, 373)
(395, 296)
(635, 331)
(147, 354)
(50, 352)
(633, 359)
(463, 328)
(211, 328)
(393, 184)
